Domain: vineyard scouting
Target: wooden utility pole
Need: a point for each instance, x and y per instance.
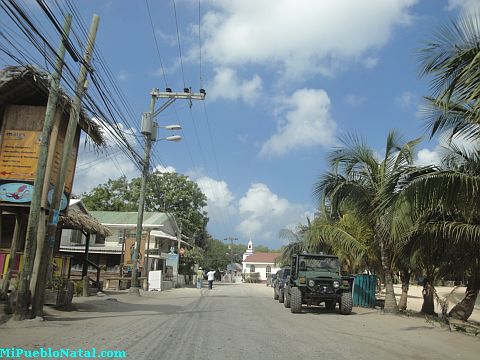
(134, 290)
(147, 131)
(34, 217)
(49, 240)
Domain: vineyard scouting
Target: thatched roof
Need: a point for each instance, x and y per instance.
(78, 218)
(27, 85)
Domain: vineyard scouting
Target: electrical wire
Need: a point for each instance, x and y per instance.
(179, 47)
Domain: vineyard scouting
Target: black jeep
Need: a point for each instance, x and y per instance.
(316, 278)
(279, 285)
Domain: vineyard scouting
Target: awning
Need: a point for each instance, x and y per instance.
(160, 233)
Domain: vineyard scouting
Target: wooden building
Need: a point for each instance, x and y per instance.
(24, 94)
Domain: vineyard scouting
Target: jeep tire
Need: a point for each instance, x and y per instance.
(281, 296)
(296, 300)
(346, 303)
(286, 298)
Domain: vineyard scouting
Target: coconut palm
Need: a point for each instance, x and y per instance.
(443, 206)
(359, 183)
(452, 57)
(296, 242)
(350, 239)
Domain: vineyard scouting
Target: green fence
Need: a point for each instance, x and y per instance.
(364, 290)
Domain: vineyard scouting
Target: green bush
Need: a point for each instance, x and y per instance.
(57, 283)
(78, 290)
(252, 278)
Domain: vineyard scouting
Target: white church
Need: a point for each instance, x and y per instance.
(262, 263)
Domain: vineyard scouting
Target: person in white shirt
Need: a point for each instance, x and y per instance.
(210, 278)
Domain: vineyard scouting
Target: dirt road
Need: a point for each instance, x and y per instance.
(234, 322)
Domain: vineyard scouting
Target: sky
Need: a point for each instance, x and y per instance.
(285, 81)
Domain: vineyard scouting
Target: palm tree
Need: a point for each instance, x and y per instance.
(452, 57)
(443, 206)
(350, 239)
(296, 242)
(360, 183)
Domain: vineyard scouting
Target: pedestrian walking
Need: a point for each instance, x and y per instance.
(199, 278)
(210, 278)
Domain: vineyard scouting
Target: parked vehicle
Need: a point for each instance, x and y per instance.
(278, 291)
(315, 279)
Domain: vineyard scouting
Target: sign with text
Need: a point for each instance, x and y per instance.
(129, 250)
(19, 154)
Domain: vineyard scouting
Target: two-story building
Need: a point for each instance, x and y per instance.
(158, 249)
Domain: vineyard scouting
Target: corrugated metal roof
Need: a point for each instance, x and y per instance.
(129, 218)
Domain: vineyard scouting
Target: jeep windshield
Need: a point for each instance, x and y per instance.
(307, 263)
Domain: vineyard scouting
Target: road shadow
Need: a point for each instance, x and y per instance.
(105, 308)
(319, 310)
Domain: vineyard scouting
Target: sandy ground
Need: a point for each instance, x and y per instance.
(235, 322)
(415, 298)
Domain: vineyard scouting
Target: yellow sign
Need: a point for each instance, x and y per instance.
(129, 250)
(19, 154)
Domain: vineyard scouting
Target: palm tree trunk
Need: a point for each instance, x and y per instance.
(464, 308)
(390, 300)
(428, 306)
(402, 304)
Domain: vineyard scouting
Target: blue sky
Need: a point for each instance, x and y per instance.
(284, 80)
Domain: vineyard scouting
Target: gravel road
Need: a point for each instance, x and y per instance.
(234, 322)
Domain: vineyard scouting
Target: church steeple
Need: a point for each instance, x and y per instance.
(249, 250)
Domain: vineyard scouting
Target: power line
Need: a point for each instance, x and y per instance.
(179, 47)
(156, 43)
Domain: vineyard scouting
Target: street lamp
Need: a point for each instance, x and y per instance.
(149, 129)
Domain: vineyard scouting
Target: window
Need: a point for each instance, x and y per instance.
(252, 268)
(97, 239)
(268, 270)
(76, 237)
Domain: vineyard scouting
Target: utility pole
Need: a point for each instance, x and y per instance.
(230, 248)
(49, 239)
(37, 192)
(149, 127)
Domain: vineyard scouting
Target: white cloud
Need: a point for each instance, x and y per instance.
(406, 99)
(165, 169)
(465, 6)
(110, 133)
(263, 214)
(219, 197)
(428, 157)
(94, 169)
(300, 38)
(307, 123)
(355, 100)
(227, 85)
(433, 157)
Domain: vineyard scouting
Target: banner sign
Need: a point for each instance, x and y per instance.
(19, 154)
(16, 192)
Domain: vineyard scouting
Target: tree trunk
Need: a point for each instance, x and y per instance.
(390, 300)
(402, 304)
(428, 306)
(464, 308)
